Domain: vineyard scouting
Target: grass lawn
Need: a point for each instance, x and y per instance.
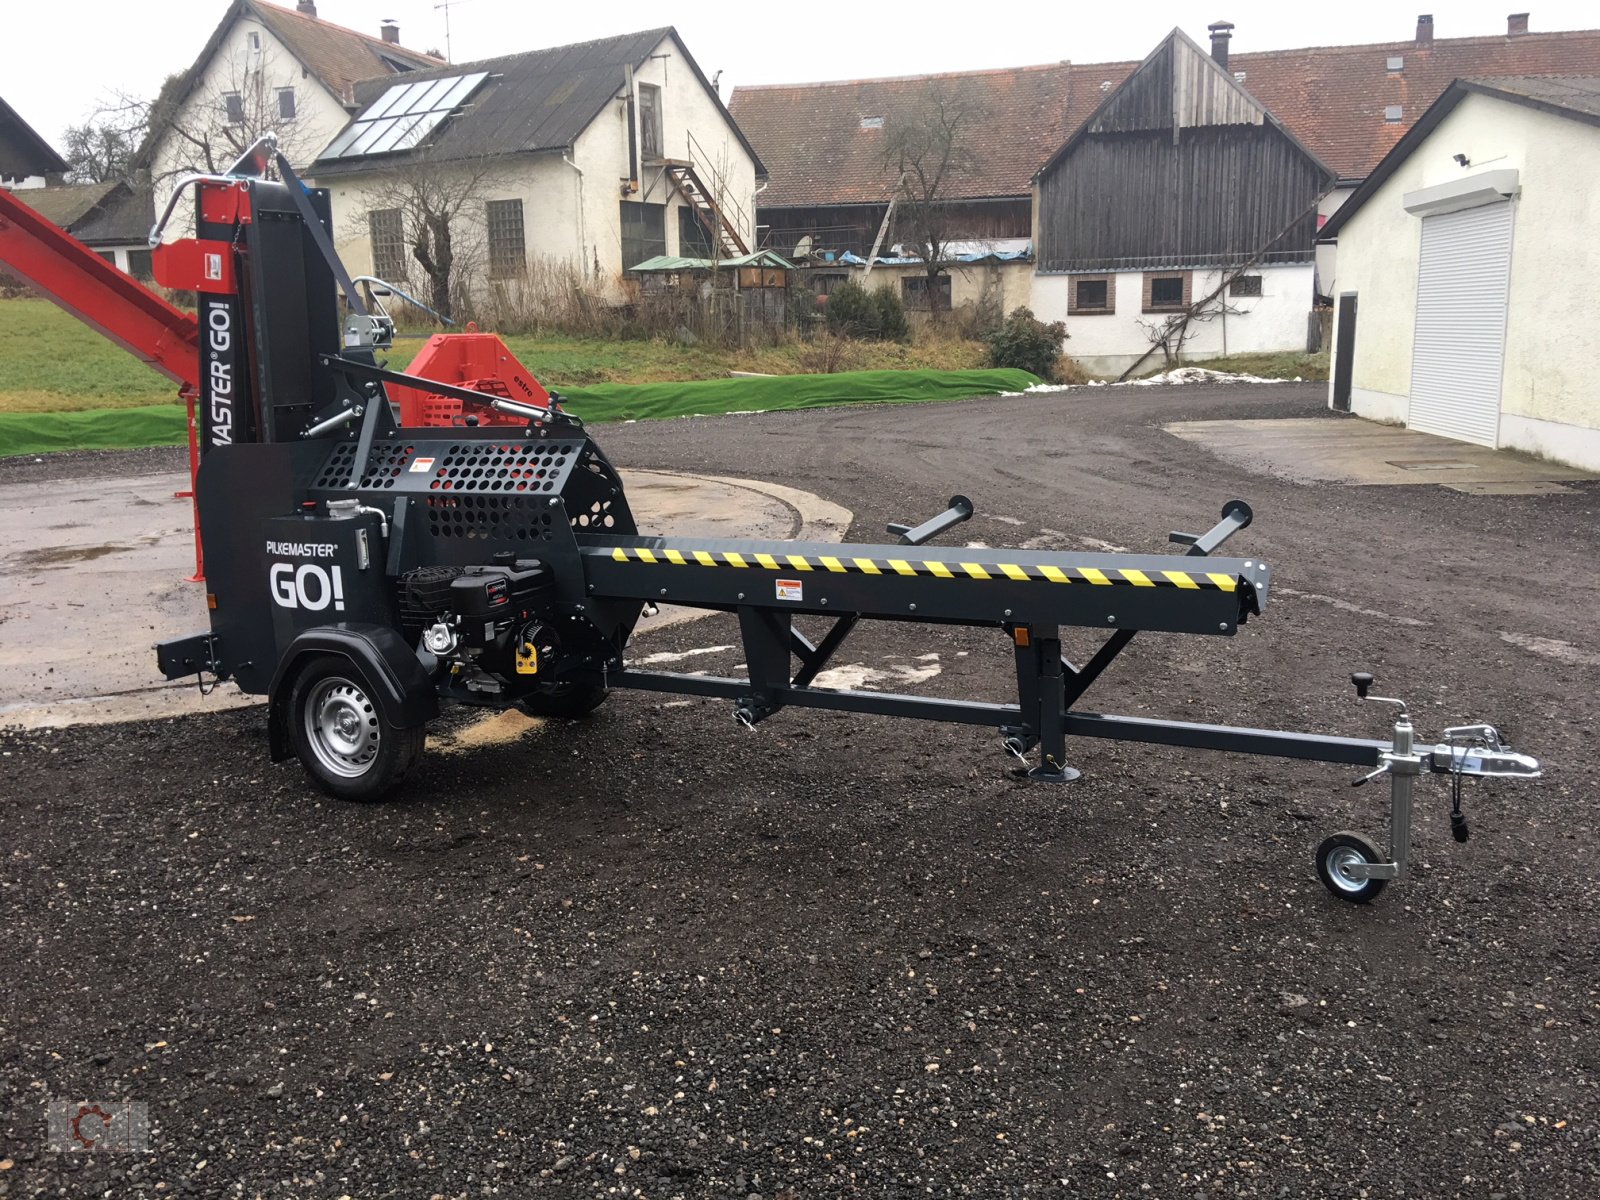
(51, 362)
(1284, 365)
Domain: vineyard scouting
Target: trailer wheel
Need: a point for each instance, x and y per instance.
(571, 701)
(340, 735)
(1336, 856)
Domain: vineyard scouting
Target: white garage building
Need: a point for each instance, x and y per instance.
(1464, 263)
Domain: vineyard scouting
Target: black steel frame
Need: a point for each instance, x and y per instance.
(1048, 685)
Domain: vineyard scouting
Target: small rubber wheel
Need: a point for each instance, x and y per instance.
(569, 700)
(340, 735)
(1337, 855)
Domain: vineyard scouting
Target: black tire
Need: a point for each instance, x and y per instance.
(570, 701)
(1340, 851)
(341, 736)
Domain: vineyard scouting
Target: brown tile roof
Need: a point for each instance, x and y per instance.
(1575, 97)
(811, 137)
(339, 57)
(1333, 97)
(1330, 97)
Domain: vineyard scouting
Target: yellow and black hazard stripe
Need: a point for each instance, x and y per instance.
(930, 568)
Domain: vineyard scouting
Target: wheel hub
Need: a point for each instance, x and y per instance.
(1341, 869)
(342, 727)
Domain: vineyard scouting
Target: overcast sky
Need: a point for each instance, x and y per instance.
(63, 59)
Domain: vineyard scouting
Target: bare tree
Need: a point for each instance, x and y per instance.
(440, 209)
(930, 147)
(1170, 334)
(105, 147)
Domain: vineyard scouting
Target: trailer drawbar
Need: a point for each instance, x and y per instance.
(379, 544)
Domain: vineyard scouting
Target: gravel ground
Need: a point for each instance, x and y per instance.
(653, 954)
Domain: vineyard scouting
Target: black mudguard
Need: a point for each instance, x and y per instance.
(402, 687)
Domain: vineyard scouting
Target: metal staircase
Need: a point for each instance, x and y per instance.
(700, 186)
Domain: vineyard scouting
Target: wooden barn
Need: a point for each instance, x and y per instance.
(1178, 182)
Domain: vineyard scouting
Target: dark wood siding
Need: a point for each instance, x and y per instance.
(1199, 196)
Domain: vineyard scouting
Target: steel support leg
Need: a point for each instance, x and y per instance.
(1051, 724)
(767, 645)
(1400, 794)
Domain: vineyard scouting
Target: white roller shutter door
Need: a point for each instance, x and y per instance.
(1461, 323)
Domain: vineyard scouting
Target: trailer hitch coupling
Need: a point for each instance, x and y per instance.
(1349, 865)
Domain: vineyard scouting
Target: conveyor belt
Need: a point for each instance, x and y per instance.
(1116, 591)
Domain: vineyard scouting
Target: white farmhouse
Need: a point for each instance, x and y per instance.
(267, 68)
(1459, 259)
(589, 159)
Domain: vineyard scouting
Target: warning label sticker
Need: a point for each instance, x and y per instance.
(422, 464)
(789, 589)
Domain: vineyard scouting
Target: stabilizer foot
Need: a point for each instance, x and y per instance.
(1053, 773)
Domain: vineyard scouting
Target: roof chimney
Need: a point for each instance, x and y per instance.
(389, 30)
(1516, 24)
(1221, 31)
(308, 7)
(1425, 30)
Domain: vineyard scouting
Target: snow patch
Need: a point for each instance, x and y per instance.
(1039, 388)
(1188, 375)
(857, 676)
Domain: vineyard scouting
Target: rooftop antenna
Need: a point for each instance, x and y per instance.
(446, 6)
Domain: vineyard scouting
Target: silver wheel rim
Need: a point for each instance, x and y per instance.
(1340, 863)
(342, 728)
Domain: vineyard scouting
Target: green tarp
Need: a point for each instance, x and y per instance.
(769, 393)
(96, 429)
(165, 424)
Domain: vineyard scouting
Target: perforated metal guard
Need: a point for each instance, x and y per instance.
(489, 466)
(486, 494)
(521, 519)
